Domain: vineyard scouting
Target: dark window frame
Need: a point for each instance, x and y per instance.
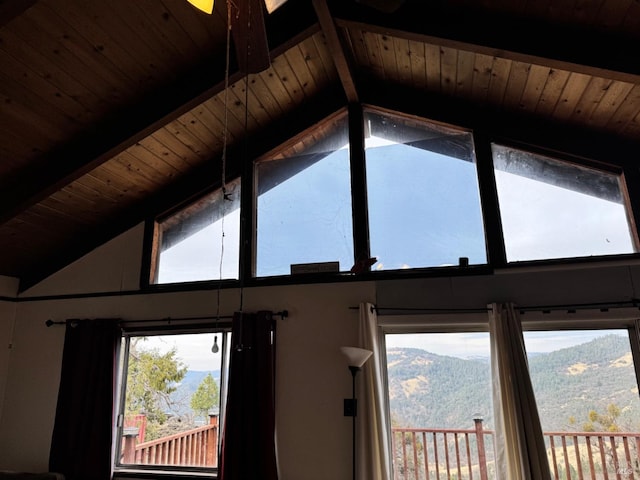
(496, 255)
(157, 328)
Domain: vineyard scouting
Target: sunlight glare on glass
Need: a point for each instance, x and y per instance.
(423, 198)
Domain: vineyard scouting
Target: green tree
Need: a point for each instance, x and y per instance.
(607, 422)
(151, 378)
(206, 396)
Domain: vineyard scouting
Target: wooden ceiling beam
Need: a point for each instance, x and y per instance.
(564, 47)
(340, 55)
(529, 131)
(124, 128)
(195, 183)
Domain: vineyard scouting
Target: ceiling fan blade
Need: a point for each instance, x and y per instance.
(250, 36)
(272, 5)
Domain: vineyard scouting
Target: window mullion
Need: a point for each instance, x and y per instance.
(489, 201)
(631, 192)
(358, 183)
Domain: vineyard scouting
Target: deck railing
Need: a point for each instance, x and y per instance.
(593, 455)
(439, 453)
(436, 454)
(431, 453)
(197, 447)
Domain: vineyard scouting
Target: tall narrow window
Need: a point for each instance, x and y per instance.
(304, 204)
(587, 397)
(172, 400)
(423, 196)
(440, 405)
(553, 209)
(202, 241)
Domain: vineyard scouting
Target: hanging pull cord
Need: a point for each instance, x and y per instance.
(223, 174)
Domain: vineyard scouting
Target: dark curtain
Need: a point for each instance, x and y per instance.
(82, 434)
(248, 441)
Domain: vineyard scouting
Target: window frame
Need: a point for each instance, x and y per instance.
(531, 319)
(494, 238)
(472, 321)
(162, 328)
(572, 161)
(153, 235)
(333, 127)
(426, 125)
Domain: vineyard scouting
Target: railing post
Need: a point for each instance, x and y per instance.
(482, 456)
(212, 441)
(129, 451)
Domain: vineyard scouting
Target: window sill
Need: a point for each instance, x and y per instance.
(125, 474)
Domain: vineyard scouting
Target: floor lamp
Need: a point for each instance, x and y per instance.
(356, 358)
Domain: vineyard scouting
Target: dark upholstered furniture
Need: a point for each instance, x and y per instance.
(30, 476)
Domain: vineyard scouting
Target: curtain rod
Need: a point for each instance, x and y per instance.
(426, 310)
(282, 314)
(603, 306)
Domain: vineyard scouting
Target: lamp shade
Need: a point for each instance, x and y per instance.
(356, 357)
(205, 5)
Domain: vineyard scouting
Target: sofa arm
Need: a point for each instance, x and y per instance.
(30, 476)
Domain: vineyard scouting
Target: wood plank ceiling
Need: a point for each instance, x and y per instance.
(113, 111)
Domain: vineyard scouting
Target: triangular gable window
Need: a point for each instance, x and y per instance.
(190, 243)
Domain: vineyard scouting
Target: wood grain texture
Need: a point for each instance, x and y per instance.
(105, 106)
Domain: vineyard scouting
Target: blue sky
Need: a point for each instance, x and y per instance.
(468, 345)
(424, 210)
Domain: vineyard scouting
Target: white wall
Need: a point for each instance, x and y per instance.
(114, 266)
(544, 286)
(312, 380)
(313, 434)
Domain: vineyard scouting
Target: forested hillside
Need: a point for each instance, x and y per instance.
(428, 390)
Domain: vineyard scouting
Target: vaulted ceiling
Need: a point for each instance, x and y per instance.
(112, 112)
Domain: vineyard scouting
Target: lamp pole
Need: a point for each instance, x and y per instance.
(356, 357)
(354, 371)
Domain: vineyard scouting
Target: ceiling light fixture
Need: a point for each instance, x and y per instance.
(207, 5)
(204, 5)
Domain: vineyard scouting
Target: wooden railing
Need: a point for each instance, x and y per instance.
(435, 454)
(439, 453)
(197, 447)
(593, 455)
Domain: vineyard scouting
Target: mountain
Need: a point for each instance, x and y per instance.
(429, 390)
(426, 389)
(573, 381)
(181, 398)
